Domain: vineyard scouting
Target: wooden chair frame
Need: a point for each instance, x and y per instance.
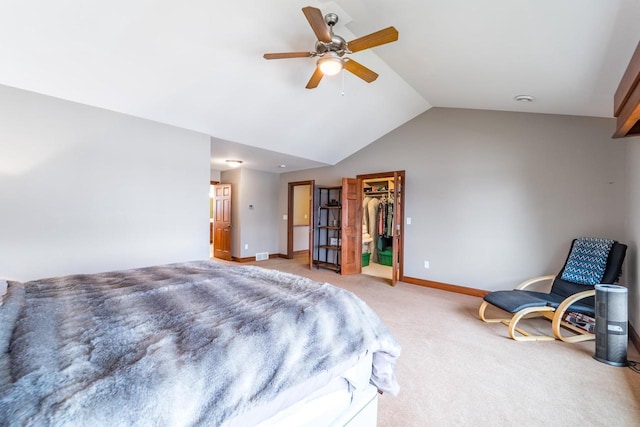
(556, 315)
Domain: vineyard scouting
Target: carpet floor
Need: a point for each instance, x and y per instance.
(456, 370)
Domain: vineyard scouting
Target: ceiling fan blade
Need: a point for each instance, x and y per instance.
(316, 20)
(378, 38)
(314, 81)
(286, 55)
(360, 70)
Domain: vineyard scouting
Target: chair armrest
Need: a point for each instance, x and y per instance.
(534, 280)
(567, 302)
(559, 314)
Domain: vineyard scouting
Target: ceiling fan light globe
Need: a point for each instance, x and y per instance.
(330, 65)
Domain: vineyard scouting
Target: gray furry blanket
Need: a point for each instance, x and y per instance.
(182, 344)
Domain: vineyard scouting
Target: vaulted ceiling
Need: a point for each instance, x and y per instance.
(198, 65)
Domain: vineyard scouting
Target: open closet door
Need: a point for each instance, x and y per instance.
(398, 179)
(351, 226)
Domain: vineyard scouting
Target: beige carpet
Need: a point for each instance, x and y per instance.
(456, 370)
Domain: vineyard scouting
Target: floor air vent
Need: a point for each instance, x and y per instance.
(262, 256)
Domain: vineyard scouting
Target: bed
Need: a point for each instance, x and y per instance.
(196, 343)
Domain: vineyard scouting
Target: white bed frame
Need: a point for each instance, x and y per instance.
(363, 411)
(331, 410)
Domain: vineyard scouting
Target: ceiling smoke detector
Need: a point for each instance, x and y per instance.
(524, 98)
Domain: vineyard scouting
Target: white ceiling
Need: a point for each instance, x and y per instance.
(198, 65)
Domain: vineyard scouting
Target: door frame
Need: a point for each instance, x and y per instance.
(398, 239)
(290, 202)
(211, 213)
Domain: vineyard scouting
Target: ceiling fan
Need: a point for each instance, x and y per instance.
(332, 49)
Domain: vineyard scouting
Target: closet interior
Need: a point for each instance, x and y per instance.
(377, 226)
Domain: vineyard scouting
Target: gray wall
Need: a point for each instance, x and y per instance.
(255, 211)
(494, 197)
(84, 189)
(233, 177)
(632, 279)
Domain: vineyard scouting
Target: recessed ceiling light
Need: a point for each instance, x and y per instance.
(282, 166)
(233, 163)
(524, 98)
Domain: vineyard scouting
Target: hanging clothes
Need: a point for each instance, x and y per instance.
(388, 232)
(365, 215)
(366, 237)
(372, 213)
(381, 213)
(384, 220)
(384, 225)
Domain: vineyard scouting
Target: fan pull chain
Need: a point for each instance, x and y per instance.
(342, 82)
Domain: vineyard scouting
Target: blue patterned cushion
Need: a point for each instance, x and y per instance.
(587, 261)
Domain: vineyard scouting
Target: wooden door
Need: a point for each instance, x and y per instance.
(351, 227)
(222, 221)
(398, 180)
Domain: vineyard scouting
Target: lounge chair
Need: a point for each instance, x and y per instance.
(590, 261)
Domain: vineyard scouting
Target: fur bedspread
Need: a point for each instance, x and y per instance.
(183, 344)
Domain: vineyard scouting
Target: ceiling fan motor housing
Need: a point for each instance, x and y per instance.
(338, 44)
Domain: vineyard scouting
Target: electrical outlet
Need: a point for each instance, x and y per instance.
(426, 264)
(246, 246)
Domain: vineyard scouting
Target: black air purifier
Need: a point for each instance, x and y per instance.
(611, 325)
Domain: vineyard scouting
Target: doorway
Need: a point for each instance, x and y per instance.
(222, 221)
(299, 217)
(211, 215)
(383, 224)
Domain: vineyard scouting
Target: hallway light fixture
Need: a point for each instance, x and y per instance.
(233, 163)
